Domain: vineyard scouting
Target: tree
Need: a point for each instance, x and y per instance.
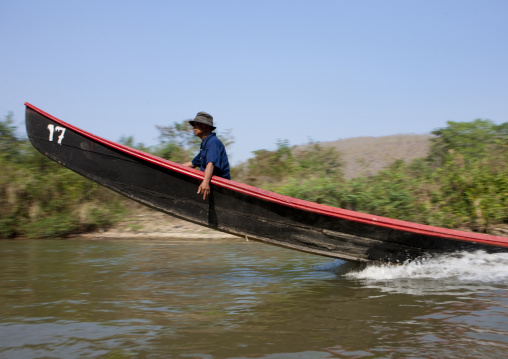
(40, 198)
(9, 143)
(130, 142)
(177, 141)
(470, 139)
(288, 168)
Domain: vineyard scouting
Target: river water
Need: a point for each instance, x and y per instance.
(238, 299)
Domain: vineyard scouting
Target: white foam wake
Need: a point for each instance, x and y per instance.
(463, 266)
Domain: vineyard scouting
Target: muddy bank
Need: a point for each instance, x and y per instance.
(142, 222)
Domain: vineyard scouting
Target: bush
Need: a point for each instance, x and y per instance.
(39, 198)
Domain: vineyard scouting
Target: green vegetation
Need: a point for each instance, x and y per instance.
(39, 198)
(462, 183)
(177, 142)
(312, 172)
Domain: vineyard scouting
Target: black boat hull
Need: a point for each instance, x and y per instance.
(243, 210)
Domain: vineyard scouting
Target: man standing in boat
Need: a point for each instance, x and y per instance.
(212, 157)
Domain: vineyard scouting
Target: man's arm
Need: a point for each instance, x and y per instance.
(189, 164)
(204, 187)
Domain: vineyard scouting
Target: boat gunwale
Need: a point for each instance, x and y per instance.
(307, 206)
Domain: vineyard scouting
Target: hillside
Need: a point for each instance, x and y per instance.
(367, 155)
(364, 156)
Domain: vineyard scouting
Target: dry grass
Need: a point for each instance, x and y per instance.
(364, 156)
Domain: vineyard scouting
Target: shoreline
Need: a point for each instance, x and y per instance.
(144, 222)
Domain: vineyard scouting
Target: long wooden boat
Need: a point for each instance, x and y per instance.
(240, 209)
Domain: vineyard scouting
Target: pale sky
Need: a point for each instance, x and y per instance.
(268, 70)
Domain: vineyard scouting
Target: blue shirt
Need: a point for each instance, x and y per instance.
(212, 150)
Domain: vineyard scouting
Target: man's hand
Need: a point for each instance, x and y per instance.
(204, 187)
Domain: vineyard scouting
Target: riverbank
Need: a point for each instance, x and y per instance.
(143, 222)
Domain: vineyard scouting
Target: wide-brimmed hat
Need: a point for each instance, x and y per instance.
(203, 117)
